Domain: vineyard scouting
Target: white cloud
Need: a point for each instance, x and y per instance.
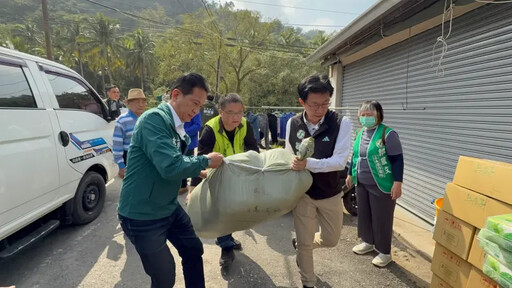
(288, 12)
(289, 15)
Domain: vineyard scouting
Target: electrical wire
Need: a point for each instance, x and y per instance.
(295, 7)
(137, 17)
(442, 39)
(494, 2)
(190, 31)
(209, 12)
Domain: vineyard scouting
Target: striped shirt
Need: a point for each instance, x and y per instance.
(123, 136)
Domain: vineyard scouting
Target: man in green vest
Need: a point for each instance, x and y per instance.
(229, 134)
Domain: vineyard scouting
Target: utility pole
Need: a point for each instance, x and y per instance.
(218, 71)
(46, 27)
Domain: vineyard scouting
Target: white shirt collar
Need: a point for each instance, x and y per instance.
(177, 122)
(311, 124)
(312, 127)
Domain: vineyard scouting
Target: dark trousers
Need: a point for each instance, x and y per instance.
(375, 212)
(189, 152)
(150, 240)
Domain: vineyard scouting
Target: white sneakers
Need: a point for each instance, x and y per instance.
(381, 260)
(363, 248)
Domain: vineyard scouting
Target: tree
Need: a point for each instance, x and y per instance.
(140, 54)
(27, 38)
(251, 37)
(103, 40)
(70, 41)
(319, 39)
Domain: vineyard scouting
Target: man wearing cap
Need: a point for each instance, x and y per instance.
(124, 127)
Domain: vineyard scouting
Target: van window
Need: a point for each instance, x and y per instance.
(14, 89)
(72, 94)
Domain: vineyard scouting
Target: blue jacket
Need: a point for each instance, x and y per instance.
(192, 128)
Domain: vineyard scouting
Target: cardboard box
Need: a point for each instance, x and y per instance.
(438, 282)
(450, 267)
(487, 177)
(472, 207)
(476, 254)
(477, 279)
(454, 234)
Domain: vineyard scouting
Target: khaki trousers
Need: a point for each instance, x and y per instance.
(308, 215)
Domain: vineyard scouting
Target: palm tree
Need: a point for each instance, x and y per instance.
(140, 54)
(103, 40)
(27, 38)
(70, 41)
(319, 39)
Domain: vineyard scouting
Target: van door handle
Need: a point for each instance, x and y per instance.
(64, 138)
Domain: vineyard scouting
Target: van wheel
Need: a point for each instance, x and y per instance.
(89, 198)
(350, 201)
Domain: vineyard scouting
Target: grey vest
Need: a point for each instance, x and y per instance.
(325, 185)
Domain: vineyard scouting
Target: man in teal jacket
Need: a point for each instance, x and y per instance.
(148, 208)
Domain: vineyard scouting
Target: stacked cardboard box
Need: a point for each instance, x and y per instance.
(480, 188)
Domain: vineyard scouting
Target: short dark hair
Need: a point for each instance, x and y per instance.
(110, 87)
(315, 84)
(228, 99)
(188, 82)
(372, 105)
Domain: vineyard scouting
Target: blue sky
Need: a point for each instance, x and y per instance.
(351, 8)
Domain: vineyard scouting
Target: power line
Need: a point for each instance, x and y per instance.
(163, 30)
(313, 25)
(209, 12)
(296, 7)
(182, 6)
(192, 32)
(131, 15)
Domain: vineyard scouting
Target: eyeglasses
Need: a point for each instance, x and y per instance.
(232, 113)
(318, 106)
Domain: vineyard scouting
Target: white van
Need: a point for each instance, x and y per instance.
(55, 149)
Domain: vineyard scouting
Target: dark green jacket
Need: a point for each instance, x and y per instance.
(155, 167)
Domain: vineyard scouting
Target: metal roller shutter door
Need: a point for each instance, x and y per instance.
(468, 111)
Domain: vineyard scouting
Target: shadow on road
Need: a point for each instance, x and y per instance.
(133, 274)
(407, 276)
(278, 234)
(65, 257)
(244, 272)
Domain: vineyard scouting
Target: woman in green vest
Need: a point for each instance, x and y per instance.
(377, 171)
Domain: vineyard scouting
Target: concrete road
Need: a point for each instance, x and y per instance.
(98, 255)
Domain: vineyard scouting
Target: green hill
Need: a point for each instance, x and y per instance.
(19, 11)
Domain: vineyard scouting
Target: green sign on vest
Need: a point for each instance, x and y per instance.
(377, 159)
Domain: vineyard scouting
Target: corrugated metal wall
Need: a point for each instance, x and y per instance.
(468, 111)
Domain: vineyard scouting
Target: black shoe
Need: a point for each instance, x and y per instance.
(294, 243)
(226, 257)
(238, 245)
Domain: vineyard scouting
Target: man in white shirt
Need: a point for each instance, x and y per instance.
(322, 203)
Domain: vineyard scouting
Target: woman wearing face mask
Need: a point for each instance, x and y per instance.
(377, 171)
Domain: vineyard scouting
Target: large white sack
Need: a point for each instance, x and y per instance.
(247, 189)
